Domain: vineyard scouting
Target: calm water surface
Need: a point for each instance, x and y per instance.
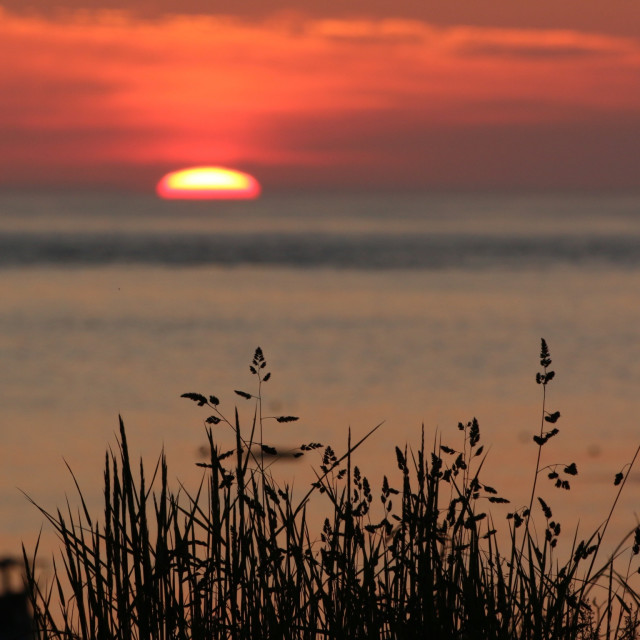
(410, 309)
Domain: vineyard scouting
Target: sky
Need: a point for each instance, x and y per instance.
(456, 94)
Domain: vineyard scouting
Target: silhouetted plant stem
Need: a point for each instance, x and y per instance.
(237, 559)
(544, 353)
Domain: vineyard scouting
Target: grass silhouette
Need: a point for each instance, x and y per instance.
(237, 559)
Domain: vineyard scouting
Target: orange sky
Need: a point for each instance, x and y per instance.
(108, 98)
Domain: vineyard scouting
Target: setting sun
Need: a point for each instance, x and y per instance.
(208, 183)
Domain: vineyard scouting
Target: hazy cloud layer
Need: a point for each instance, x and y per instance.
(612, 16)
(302, 101)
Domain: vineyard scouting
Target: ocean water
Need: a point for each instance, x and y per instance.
(405, 308)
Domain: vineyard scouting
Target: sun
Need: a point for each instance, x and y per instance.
(208, 183)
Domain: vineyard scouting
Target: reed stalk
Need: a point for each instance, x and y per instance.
(236, 558)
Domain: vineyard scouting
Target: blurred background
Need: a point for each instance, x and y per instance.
(440, 189)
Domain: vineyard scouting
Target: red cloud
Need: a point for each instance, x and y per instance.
(340, 100)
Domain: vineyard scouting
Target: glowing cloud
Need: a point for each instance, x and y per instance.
(104, 99)
(208, 183)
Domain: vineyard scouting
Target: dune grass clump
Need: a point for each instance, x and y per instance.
(237, 558)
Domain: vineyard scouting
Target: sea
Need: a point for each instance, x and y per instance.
(412, 310)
